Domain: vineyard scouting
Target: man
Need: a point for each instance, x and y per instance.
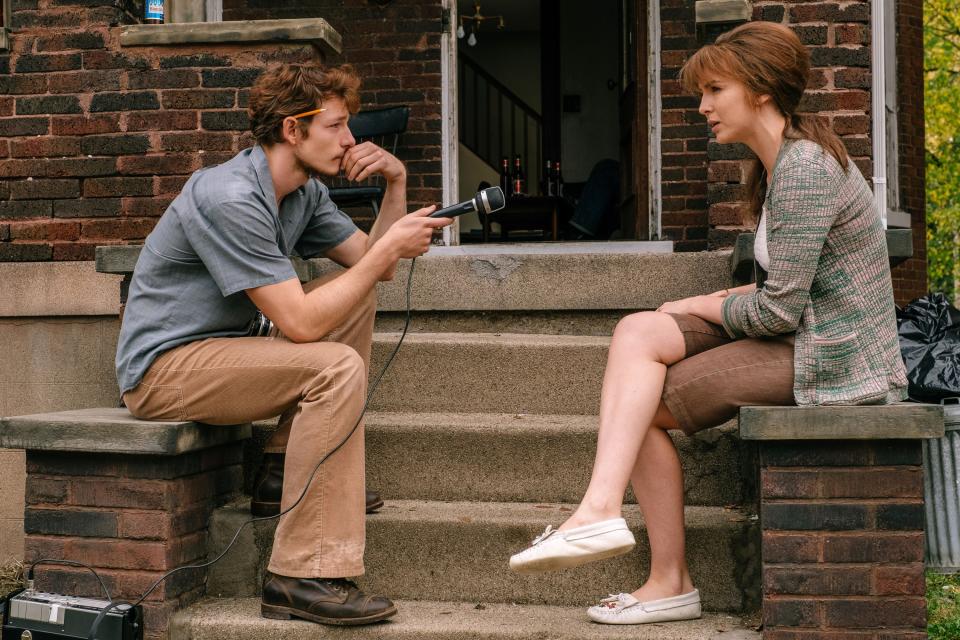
(220, 253)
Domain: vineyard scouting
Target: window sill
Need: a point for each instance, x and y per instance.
(315, 31)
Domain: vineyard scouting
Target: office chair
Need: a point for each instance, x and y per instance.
(382, 127)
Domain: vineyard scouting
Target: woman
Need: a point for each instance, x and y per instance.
(818, 329)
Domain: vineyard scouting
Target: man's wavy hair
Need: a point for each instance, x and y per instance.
(288, 89)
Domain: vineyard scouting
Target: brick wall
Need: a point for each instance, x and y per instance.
(842, 540)
(837, 36)
(910, 279)
(132, 517)
(96, 139)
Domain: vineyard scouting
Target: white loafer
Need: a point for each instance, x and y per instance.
(623, 608)
(562, 549)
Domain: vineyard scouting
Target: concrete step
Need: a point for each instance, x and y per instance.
(422, 550)
(478, 372)
(239, 619)
(518, 457)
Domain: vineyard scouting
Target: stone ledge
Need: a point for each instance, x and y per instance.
(897, 421)
(316, 31)
(899, 250)
(112, 431)
(581, 280)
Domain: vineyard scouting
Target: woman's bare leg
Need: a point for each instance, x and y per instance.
(658, 484)
(643, 345)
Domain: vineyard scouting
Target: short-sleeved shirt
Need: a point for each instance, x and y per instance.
(223, 234)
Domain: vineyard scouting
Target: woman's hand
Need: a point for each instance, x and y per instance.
(677, 306)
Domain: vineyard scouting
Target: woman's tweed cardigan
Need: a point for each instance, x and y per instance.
(829, 280)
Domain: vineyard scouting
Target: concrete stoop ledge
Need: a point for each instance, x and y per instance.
(239, 619)
(429, 550)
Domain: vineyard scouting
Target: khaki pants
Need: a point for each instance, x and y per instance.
(319, 388)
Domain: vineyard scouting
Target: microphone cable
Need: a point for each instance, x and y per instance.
(116, 604)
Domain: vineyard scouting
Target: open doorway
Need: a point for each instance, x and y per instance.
(558, 89)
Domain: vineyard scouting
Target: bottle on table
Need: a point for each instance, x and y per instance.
(519, 178)
(546, 185)
(506, 185)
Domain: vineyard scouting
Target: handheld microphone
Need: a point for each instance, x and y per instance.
(486, 201)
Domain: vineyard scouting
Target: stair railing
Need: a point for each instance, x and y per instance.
(495, 122)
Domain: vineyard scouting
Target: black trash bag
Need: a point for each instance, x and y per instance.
(929, 330)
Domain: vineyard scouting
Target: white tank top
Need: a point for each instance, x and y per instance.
(760, 242)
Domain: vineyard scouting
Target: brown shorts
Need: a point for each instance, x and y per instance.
(718, 374)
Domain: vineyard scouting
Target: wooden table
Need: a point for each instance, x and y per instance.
(528, 212)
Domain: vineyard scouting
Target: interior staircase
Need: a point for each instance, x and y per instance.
(483, 433)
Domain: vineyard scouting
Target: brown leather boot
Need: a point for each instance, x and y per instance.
(324, 600)
(268, 487)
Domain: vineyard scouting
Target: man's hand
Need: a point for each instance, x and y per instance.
(366, 159)
(410, 236)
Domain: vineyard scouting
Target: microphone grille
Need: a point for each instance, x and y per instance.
(493, 199)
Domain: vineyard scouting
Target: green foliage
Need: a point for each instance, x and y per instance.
(943, 606)
(941, 36)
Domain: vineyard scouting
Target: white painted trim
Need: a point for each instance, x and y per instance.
(892, 108)
(449, 150)
(654, 107)
(214, 10)
(878, 107)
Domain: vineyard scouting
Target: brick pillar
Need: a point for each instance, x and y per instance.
(843, 540)
(133, 510)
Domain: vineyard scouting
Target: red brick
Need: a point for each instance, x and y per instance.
(73, 251)
(788, 612)
(45, 230)
(33, 168)
(851, 34)
(40, 189)
(906, 580)
(170, 184)
(127, 228)
(84, 81)
(45, 146)
(162, 164)
(6, 107)
(146, 207)
(729, 213)
(871, 483)
(876, 613)
(816, 581)
(851, 124)
(792, 548)
(40, 490)
(162, 121)
(873, 547)
(117, 187)
(82, 125)
(788, 484)
(197, 141)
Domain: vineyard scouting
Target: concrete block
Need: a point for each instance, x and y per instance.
(239, 619)
(510, 373)
(57, 289)
(22, 399)
(12, 479)
(53, 351)
(113, 431)
(522, 458)
(11, 539)
(873, 422)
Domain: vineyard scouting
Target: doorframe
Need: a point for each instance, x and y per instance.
(450, 133)
(654, 108)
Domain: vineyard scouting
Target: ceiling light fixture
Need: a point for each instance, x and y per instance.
(474, 24)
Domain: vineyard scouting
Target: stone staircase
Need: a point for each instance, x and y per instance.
(480, 435)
